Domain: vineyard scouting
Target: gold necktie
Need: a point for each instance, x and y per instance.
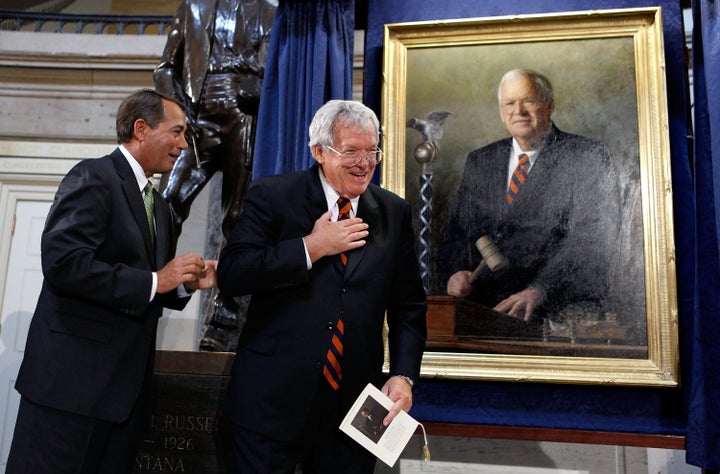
(149, 209)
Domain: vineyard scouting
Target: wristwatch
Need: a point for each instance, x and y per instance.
(408, 380)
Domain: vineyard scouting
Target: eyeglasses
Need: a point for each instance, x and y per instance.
(353, 157)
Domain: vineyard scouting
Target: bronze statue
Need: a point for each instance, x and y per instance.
(213, 63)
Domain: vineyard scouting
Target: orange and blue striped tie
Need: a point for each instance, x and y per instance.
(333, 367)
(344, 207)
(518, 177)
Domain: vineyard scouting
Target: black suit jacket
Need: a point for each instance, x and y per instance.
(292, 310)
(559, 232)
(91, 341)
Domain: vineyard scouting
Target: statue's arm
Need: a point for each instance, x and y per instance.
(168, 73)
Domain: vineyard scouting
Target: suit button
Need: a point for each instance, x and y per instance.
(345, 289)
(330, 325)
(318, 365)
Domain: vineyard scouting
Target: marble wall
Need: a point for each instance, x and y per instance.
(59, 95)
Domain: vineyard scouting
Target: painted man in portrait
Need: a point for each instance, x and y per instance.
(549, 202)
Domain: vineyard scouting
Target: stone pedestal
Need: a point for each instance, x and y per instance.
(188, 430)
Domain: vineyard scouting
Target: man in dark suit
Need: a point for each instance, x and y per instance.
(322, 277)
(554, 218)
(108, 271)
(213, 64)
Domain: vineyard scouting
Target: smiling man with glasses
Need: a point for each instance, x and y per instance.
(325, 255)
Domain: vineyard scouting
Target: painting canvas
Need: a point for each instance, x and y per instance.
(441, 79)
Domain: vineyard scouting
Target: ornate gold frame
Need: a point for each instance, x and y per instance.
(643, 28)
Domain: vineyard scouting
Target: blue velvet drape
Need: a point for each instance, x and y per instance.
(309, 63)
(703, 428)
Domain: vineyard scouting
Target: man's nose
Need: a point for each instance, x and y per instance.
(519, 108)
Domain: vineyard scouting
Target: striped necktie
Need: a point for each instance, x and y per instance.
(333, 367)
(344, 207)
(518, 178)
(149, 212)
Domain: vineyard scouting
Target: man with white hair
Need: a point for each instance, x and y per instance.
(325, 256)
(549, 201)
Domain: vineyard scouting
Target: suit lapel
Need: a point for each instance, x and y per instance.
(163, 237)
(499, 177)
(545, 163)
(316, 205)
(134, 199)
(368, 212)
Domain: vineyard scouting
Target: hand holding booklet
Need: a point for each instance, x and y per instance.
(364, 424)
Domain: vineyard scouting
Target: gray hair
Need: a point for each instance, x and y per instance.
(334, 113)
(542, 83)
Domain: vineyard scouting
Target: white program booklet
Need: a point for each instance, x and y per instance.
(363, 423)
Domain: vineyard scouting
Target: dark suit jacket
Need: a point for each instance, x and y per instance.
(91, 341)
(559, 231)
(292, 310)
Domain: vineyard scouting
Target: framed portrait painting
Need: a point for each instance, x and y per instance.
(573, 281)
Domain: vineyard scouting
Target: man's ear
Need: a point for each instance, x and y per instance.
(551, 106)
(317, 153)
(140, 129)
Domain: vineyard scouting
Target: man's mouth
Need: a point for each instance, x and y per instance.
(359, 174)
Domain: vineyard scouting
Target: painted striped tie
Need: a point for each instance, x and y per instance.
(518, 178)
(149, 212)
(333, 366)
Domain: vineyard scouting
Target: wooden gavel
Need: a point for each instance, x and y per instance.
(492, 258)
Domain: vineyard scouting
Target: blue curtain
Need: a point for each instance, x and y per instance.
(703, 429)
(309, 63)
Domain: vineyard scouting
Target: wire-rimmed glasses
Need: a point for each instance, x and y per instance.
(353, 157)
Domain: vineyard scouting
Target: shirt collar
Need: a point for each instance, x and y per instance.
(140, 177)
(517, 151)
(331, 196)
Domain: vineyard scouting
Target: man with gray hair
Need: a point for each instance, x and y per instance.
(325, 256)
(547, 199)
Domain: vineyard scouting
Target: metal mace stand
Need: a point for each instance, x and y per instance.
(431, 129)
(425, 153)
